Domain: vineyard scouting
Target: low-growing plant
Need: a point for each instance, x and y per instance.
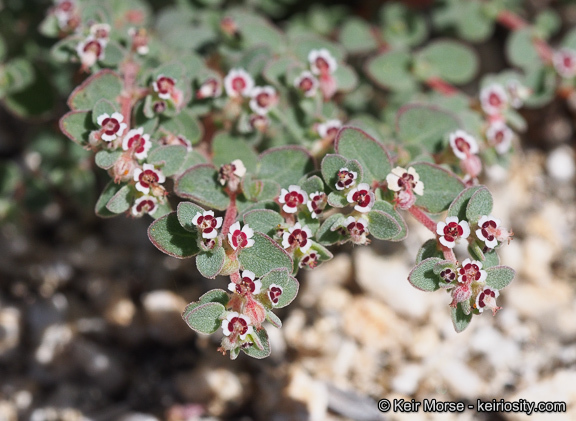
(256, 148)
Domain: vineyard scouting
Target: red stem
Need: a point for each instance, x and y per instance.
(449, 254)
(231, 214)
(511, 20)
(441, 86)
(423, 218)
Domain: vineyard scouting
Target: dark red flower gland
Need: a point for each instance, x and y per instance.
(264, 99)
(318, 203)
(137, 143)
(207, 223)
(246, 286)
(323, 66)
(181, 140)
(225, 173)
(306, 84)
(470, 273)
(238, 325)
(488, 228)
(462, 145)
(159, 107)
(448, 275)
(246, 345)
(310, 260)
(453, 231)
(101, 33)
(345, 179)
(93, 46)
(209, 243)
(495, 100)
(208, 89)
(148, 178)
(294, 199)
(110, 126)
(238, 84)
(274, 294)
(362, 198)
(487, 299)
(356, 228)
(406, 181)
(239, 240)
(298, 238)
(568, 61)
(145, 206)
(165, 85)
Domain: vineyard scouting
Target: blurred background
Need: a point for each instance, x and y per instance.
(90, 325)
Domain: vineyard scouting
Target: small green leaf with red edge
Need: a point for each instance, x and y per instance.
(105, 84)
(458, 205)
(480, 204)
(286, 165)
(210, 263)
(382, 225)
(215, 296)
(122, 200)
(204, 318)
(391, 70)
(109, 191)
(423, 277)
(332, 163)
(356, 36)
(329, 232)
(441, 187)
(265, 221)
(388, 209)
(262, 337)
(449, 60)
(103, 106)
(170, 237)
(312, 185)
(106, 158)
(200, 184)
(427, 250)
(288, 283)
(264, 256)
(460, 319)
(226, 148)
(186, 212)
(259, 190)
(273, 319)
(169, 158)
(353, 143)
(499, 276)
(77, 125)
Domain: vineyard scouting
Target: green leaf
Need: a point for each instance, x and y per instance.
(109, 191)
(210, 263)
(542, 82)
(77, 125)
(328, 232)
(255, 30)
(106, 158)
(186, 212)
(204, 318)
(346, 78)
(200, 184)
(253, 351)
(356, 36)
(184, 124)
(389, 210)
(391, 70)
(425, 125)
(458, 206)
(520, 49)
(17, 74)
(170, 237)
(215, 296)
(263, 220)
(102, 106)
(460, 319)
(353, 143)
(499, 276)
(423, 277)
(169, 157)
(286, 165)
(441, 187)
(402, 27)
(312, 185)
(105, 84)
(337, 199)
(273, 319)
(427, 250)
(491, 258)
(121, 201)
(226, 148)
(264, 256)
(332, 163)
(382, 225)
(282, 278)
(259, 190)
(449, 60)
(480, 204)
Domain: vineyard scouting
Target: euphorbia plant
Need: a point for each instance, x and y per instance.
(255, 149)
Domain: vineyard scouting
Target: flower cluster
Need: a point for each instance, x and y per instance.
(405, 183)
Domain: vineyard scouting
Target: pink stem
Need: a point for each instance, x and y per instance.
(511, 20)
(441, 86)
(231, 214)
(423, 218)
(449, 254)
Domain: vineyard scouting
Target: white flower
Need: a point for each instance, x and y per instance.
(247, 285)
(112, 126)
(207, 223)
(90, 50)
(452, 230)
(322, 62)
(292, 198)
(164, 86)
(316, 203)
(145, 204)
(240, 238)
(210, 88)
(500, 135)
(262, 99)
(565, 62)
(363, 198)
(147, 177)
(237, 323)
(306, 83)
(493, 99)
(138, 142)
(488, 230)
(239, 168)
(346, 178)
(100, 31)
(471, 271)
(463, 144)
(238, 83)
(329, 128)
(487, 299)
(297, 237)
(400, 179)
(517, 93)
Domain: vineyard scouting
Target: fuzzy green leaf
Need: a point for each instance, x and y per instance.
(389, 210)
(102, 106)
(215, 296)
(337, 199)
(169, 157)
(282, 278)
(356, 36)
(312, 185)
(285, 165)
(353, 143)
(332, 163)
(458, 206)
(273, 319)
(449, 60)
(200, 184)
(253, 351)
(328, 232)
(520, 49)
(184, 124)
(425, 125)
(204, 318)
(226, 149)
(106, 158)
(121, 201)
(186, 212)
(105, 84)
(480, 204)
(170, 237)
(427, 250)
(264, 256)
(263, 220)
(210, 263)
(460, 319)
(382, 225)
(77, 125)
(441, 187)
(109, 191)
(499, 276)
(423, 277)
(391, 70)
(259, 190)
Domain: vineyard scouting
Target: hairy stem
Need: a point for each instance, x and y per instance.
(231, 214)
(423, 218)
(441, 86)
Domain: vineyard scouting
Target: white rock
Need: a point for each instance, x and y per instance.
(560, 163)
(8, 411)
(164, 313)
(10, 329)
(501, 352)
(55, 341)
(460, 379)
(407, 380)
(335, 272)
(312, 393)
